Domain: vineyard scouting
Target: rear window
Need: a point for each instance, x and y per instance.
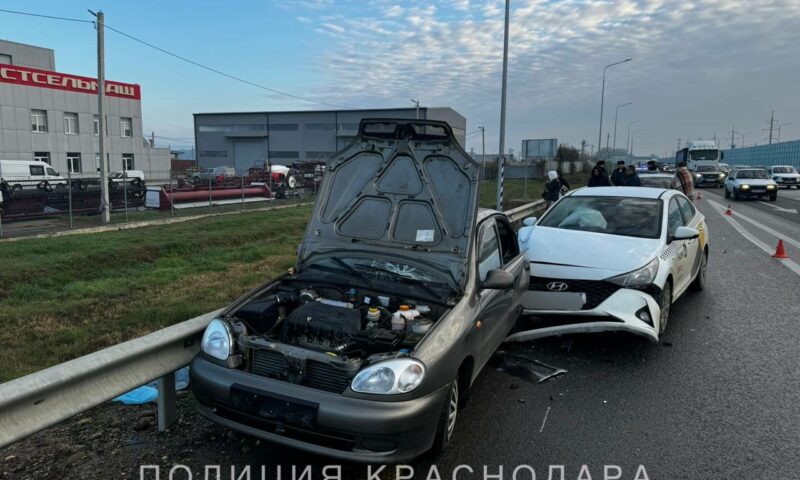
(630, 217)
(784, 170)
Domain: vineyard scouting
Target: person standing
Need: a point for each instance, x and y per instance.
(552, 189)
(564, 183)
(598, 178)
(630, 178)
(618, 175)
(683, 181)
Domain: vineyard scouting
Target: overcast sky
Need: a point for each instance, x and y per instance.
(698, 67)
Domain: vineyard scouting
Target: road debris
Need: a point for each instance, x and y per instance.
(524, 367)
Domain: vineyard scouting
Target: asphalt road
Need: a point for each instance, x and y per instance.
(717, 398)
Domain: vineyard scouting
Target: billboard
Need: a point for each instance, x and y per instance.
(541, 148)
(33, 77)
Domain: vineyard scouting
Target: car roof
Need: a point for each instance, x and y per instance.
(633, 192)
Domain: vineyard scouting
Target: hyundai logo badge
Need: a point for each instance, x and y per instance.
(556, 286)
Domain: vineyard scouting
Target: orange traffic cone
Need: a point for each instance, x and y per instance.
(728, 212)
(780, 252)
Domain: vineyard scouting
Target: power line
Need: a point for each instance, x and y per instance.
(219, 72)
(182, 58)
(52, 17)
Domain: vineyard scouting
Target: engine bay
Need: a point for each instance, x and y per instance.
(337, 322)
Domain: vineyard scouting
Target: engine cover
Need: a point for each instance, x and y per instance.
(316, 324)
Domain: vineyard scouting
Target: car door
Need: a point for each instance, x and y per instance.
(678, 249)
(499, 308)
(694, 248)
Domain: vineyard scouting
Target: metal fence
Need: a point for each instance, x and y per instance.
(40, 207)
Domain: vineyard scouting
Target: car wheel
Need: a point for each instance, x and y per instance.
(700, 280)
(735, 194)
(773, 197)
(291, 181)
(17, 187)
(447, 420)
(727, 193)
(666, 306)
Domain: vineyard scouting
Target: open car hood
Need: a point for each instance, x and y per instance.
(405, 188)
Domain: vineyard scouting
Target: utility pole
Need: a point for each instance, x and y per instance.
(105, 209)
(483, 150)
(583, 147)
(501, 152)
(733, 132)
(602, 101)
(771, 125)
(416, 102)
(608, 139)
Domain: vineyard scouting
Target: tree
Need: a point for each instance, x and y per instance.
(568, 154)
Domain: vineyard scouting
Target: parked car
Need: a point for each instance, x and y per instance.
(130, 175)
(656, 180)
(401, 293)
(28, 174)
(724, 168)
(611, 259)
(708, 175)
(785, 176)
(749, 183)
(214, 175)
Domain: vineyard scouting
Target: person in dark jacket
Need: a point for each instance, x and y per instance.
(601, 164)
(552, 189)
(598, 178)
(631, 179)
(618, 175)
(564, 183)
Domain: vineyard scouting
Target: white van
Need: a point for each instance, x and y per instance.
(21, 174)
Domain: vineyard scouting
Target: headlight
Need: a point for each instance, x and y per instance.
(698, 175)
(770, 187)
(217, 340)
(637, 278)
(721, 175)
(400, 375)
(745, 187)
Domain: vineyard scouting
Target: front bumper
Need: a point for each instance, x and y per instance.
(757, 192)
(709, 182)
(787, 181)
(617, 313)
(345, 428)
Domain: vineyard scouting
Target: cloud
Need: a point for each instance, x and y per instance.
(696, 65)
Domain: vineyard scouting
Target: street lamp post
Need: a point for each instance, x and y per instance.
(416, 102)
(602, 100)
(633, 136)
(616, 113)
(628, 142)
(501, 150)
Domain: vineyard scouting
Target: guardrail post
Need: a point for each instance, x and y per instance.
(166, 401)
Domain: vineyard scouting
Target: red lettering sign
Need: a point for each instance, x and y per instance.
(33, 77)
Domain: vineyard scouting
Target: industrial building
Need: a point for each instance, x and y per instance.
(52, 117)
(246, 139)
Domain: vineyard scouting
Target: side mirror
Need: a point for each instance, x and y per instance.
(498, 280)
(529, 221)
(685, 233)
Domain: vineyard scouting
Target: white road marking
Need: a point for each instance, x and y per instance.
(545, 419)
(755, 241)
(760, 225)
(780, 209)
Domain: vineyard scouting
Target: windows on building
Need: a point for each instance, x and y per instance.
(5, 58)
(126, 127)
(39, 121)
(96, 125)
(41, 157)
(74, 162)
(71, 123)
(320, 127)
(127, 161)
(242, 128)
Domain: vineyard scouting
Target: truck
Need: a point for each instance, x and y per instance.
(700, 152)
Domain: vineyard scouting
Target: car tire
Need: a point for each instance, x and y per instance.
(735, 194)
(727, 193)
(291, 181)
(699, 282)
(447, 420)
(773, 197)
(665, 302)
(17, 187)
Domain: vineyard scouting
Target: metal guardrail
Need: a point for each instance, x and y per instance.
(44, 398)
(528, 210)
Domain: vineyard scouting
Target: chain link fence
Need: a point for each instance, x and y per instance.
(39, 207)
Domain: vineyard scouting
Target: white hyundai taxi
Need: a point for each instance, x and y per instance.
(611, 259)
